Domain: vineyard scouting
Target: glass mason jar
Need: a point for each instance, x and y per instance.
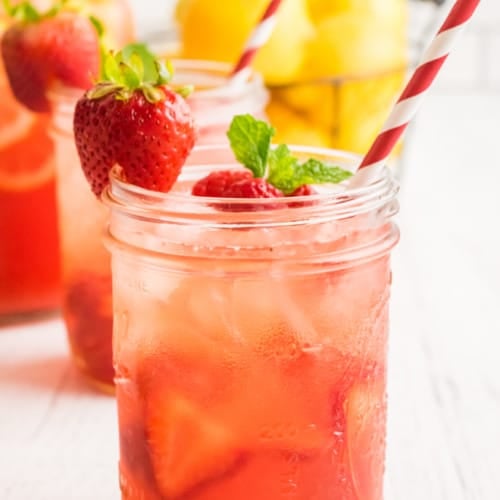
(250, 338)
(213, 102)
(86, 281)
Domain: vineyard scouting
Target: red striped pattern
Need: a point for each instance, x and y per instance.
(245, 60)
(249, 52)
(383, 146)
(422, 78)
(461, 12)
(418, 85)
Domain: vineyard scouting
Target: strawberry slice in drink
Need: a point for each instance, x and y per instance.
(365, 408)
(187, 447)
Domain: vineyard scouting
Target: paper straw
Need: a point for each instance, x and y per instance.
(258, 38)
(417, 87)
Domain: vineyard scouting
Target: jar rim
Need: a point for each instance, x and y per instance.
(334, 202)
(220, 71)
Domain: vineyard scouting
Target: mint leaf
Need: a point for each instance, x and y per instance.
(282, 166)
(250, 141)
(287, 174)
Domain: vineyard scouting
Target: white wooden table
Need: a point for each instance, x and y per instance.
(58, 439)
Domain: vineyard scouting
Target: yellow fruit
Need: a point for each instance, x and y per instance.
(181, 10)
(321, 9)
(214, 33)
(317, 101)
(282, 58)
(365, 105)
(353, 45)
(220, 33)
(394, 12)
(292, 128)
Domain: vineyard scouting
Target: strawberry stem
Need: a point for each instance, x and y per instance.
(133, 68)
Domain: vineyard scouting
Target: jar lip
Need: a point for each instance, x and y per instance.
(330, 203)
(219, 70)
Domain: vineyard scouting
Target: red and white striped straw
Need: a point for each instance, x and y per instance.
(260, 35)
(412, 96)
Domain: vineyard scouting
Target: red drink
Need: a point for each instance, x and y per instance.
(29, 242)
(29, 246)
(250, 346)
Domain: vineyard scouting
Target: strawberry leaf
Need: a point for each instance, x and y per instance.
(150, 73)
(151, 93)
(130, 77)
(99, 27)
(185, 90)
(25, 12)
(250, 141)
(111, 69)
(165, 71)
(135, 62)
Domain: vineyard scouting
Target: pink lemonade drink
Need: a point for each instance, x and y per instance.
(86, 302)
(250, 339)
(213, 102)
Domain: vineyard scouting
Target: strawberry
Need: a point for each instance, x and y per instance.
(186, 445)
(272, 172)
(41, 49)
(365, 408)
(133, 119)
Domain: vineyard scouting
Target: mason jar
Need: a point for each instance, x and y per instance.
(214, 102)
(250, 337)
(85, 268)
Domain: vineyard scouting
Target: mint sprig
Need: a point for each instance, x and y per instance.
(250, 141)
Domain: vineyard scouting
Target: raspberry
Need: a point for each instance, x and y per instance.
(236, 184)
(215, 184)
(252, 188)
(304, 190)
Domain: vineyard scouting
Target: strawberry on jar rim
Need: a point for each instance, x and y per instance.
(135, 120)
